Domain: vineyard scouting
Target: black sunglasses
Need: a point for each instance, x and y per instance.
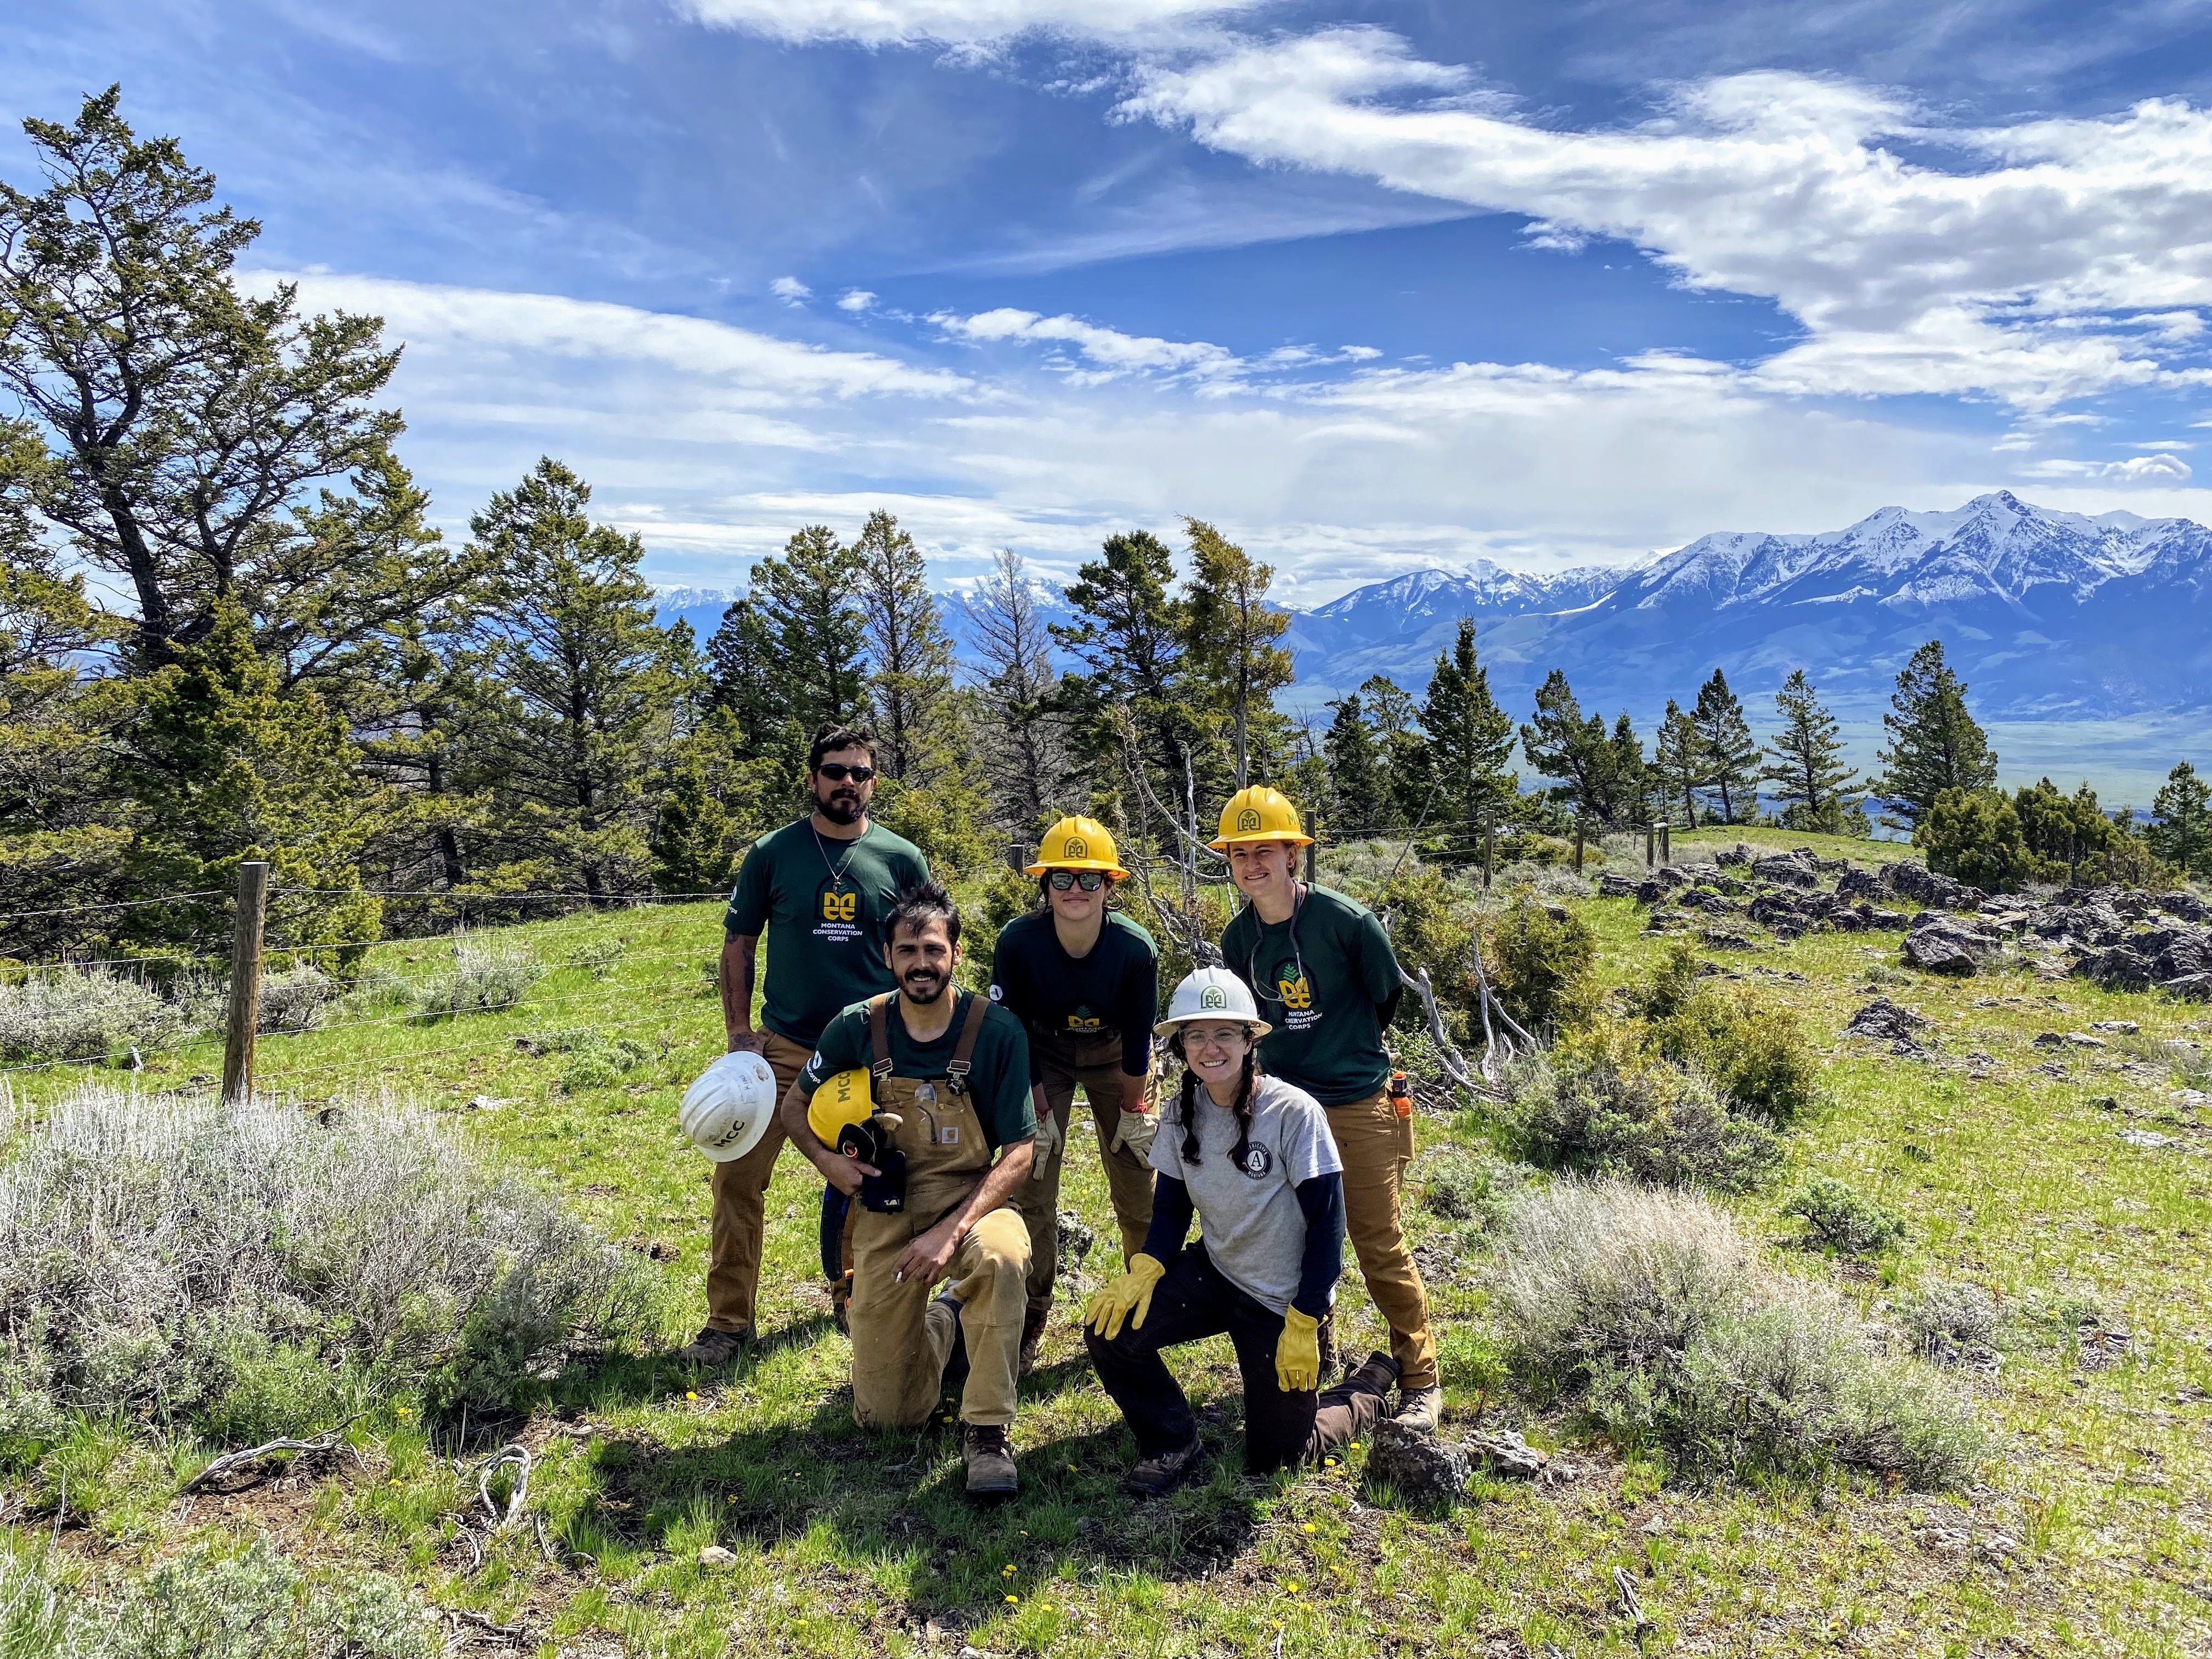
(837, 772)
(1089, 880)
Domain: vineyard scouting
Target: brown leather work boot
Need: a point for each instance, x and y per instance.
(1162, 1472)
(714, 1347)
(1033, 1324)
(990, 1460)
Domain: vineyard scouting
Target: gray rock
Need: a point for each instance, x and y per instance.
(715, 1556)
(2194, 987)
(1787, 869)
(2115, 1027)
(1424, 1471)
(1885, 1021)
(1505, 1453)
(1939, 944)
(1075, 1238)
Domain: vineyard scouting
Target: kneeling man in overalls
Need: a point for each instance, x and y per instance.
(917, 1104)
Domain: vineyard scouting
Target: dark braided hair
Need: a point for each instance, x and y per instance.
(1187, 1104)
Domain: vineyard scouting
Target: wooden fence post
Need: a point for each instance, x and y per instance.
(1579, 846)
(1489, 851)
(245, 982)
(1667, 840)
(1650, 844)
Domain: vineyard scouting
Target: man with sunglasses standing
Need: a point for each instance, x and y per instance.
(1085, 982)
(821, 887)
(1325, 977)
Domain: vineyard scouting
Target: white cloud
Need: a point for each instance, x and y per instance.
(1109, 352)
(2056, 260)
(856, 299)
(792, 289)
(2156, 469)
(957, 22)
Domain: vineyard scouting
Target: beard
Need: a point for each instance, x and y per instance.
(922, 987)
(843, 807)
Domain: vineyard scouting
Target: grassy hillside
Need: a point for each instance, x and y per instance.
(2089, 1531)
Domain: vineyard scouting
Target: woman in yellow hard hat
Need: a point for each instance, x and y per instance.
(1326, 978)
(1085, 980)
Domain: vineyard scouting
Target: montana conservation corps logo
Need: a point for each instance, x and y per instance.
(1077, 848)
(1212, 999)
(1298, 994)
(841, 906)
(1081, 1020)
(1248, 819)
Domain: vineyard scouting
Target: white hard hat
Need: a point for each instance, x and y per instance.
(726, 1110)
(1212, 993)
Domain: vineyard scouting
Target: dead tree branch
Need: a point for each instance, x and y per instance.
(328, 1440)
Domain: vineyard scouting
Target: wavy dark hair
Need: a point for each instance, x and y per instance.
(1187, 1103)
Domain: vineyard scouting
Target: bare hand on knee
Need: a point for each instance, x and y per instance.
(930, 1256)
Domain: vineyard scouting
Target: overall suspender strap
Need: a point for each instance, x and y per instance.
(879, 1043)
(963, 1052)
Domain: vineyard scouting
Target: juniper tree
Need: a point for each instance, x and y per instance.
(1731, 754)
(742, 675)
(2181, 822)
(1934, 741)
(1469, 740)
(1561, 743)
(910, 655)
(1817, 788)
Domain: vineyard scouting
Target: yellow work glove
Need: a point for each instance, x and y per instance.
(1129, 1296)
(1297, 1353)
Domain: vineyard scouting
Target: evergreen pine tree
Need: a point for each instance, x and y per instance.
(910, 655)
(227, 767)
(591, 684)
(1128, 637)
(2181, 822)
(692, 835)
(808, 600)
(1231, 656)
(1469, 740)
(1626, 781)
(1679, 760)
(1731, 754)
(741, 671)
(1934, 743)
(1560, 743)
(1816, 787)
(1359, 798)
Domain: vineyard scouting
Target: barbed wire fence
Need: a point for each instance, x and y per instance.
(261, 918)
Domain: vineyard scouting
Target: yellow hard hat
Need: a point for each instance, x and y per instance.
(843, 1099)
(1078, 843)
(1259, 813)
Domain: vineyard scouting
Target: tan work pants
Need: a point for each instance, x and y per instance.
(901, 1336)
(740, 1223)
(1377, 1144)
(1128, 1176)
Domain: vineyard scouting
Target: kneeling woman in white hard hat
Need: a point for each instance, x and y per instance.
(1251, 1156)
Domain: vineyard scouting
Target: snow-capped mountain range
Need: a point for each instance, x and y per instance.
(2046, 615)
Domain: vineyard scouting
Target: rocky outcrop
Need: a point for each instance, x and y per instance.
(1944, 945)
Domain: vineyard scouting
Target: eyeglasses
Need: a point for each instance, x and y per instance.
(837, 772)
(1089, 880)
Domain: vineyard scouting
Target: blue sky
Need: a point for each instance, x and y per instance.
(1371, 286)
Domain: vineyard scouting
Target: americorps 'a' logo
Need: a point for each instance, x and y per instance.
(1212, 998)
(841, 906)
(1077, 847)
(1248, 819)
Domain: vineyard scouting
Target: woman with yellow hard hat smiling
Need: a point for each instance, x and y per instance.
(1085, 980)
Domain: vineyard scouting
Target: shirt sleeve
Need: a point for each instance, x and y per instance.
(1140, 1006)
(748, 910)
(1308, 1149)
(1378, 962)
(838, 1049)
(1167, 1143)
(1170, 1224)
(1009, 994)
(1321, 1200)
(1009, 1115)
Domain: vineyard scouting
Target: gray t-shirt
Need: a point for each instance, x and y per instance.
(1249, 1217)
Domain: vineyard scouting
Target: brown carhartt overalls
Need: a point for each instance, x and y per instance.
(900, 1336)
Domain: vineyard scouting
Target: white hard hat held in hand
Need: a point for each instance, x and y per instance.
(726, 1111)
(1212, 993)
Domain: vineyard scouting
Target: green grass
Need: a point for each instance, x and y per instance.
(1782, 841)
(848, 1543)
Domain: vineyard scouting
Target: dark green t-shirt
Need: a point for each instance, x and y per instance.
(1113, 990)
(1327, 1039)
(821, 903)
(998, 1084)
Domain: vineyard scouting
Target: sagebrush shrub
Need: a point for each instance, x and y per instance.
(1460, 1184)
(1947, 1314)
(173, 1259)
(1601, 1103)
(69, 1013)
(598, 958)
(1652, 1307)
(295, 999)
(482, 977)
(1836, 1216)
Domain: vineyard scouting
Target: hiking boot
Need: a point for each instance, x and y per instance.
(1162, 1472)
(714, 1347)
(1033, 1324)
(990, 1460)
(1420, 1408)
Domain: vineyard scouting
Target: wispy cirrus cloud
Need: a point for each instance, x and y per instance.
(2051, 260)
(958, 23)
